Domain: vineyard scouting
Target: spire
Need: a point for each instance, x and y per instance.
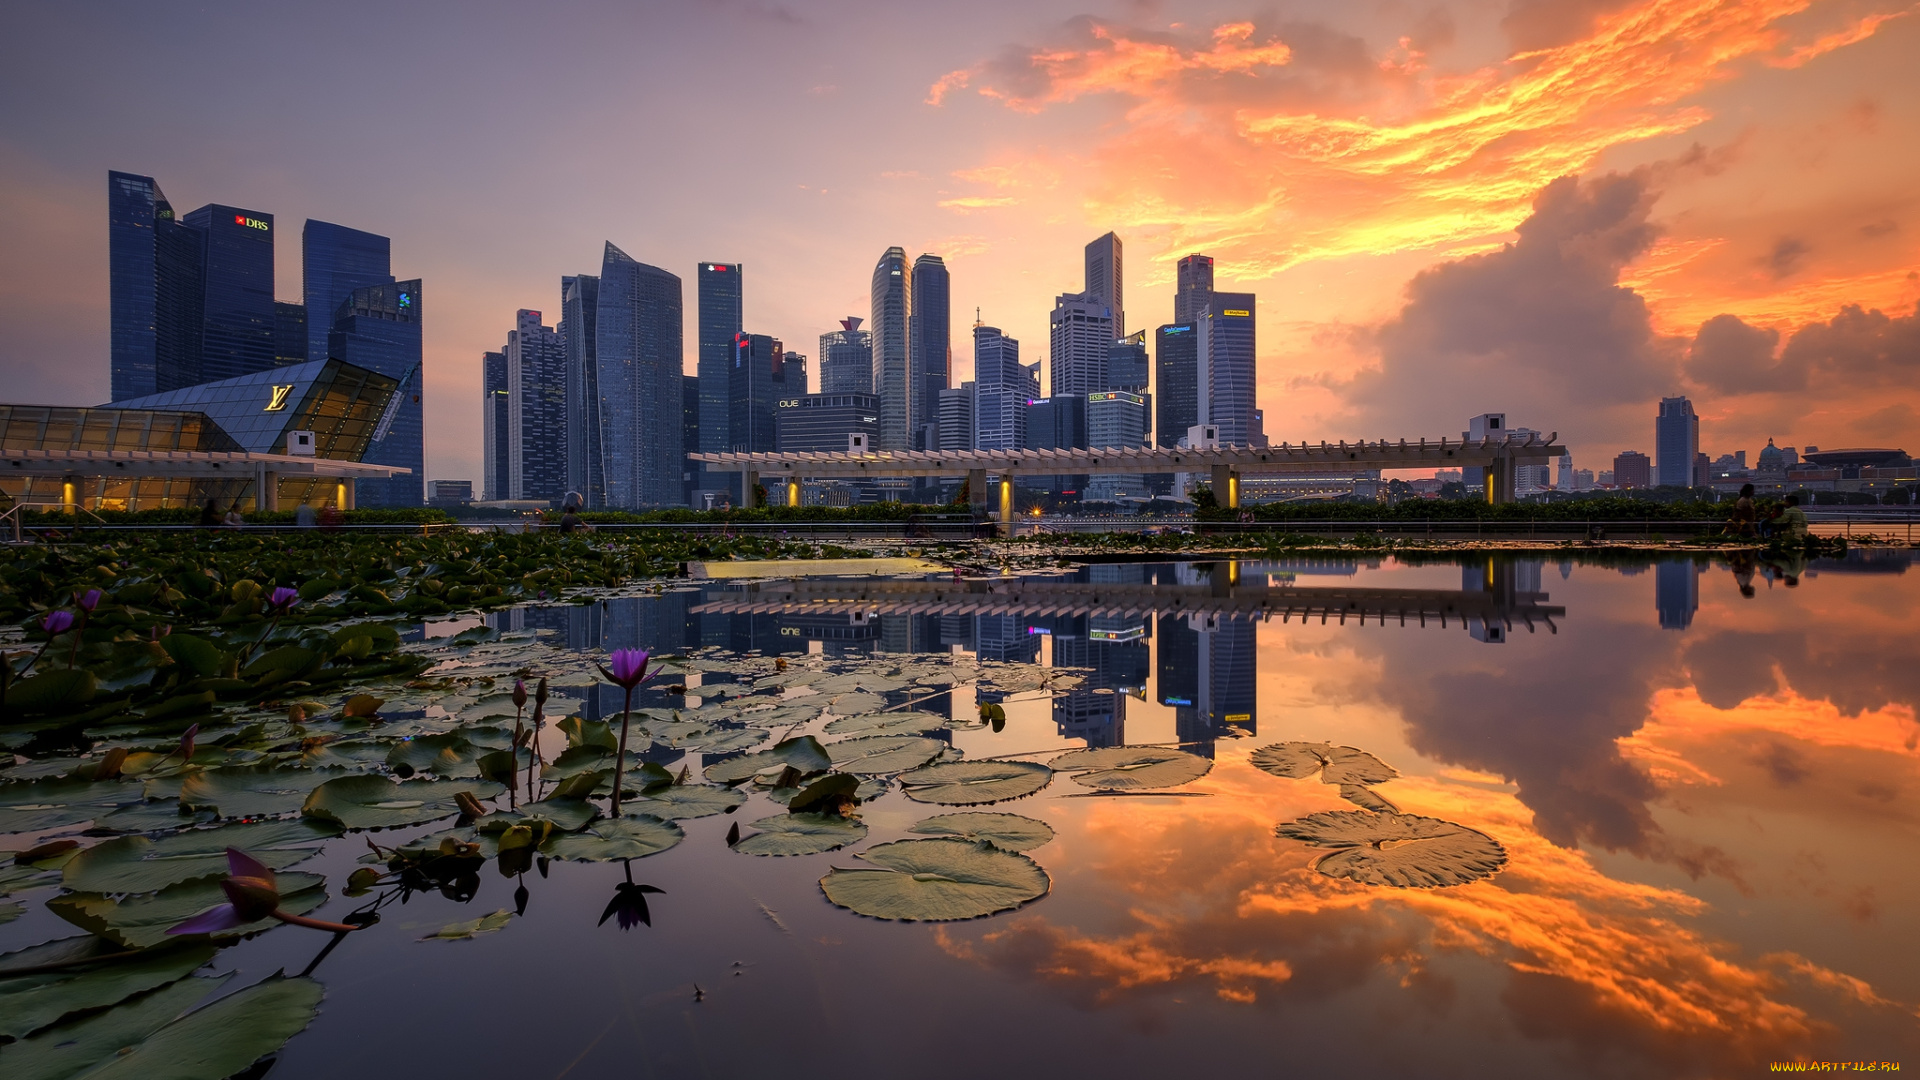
(850, 323)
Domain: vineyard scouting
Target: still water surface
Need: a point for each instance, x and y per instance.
(1706, 797)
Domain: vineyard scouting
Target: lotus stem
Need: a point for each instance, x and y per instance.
(314, 924)
(620, 758)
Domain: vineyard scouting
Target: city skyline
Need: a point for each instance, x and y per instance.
(1024, 136)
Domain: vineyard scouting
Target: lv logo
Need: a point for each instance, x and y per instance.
(279, 399)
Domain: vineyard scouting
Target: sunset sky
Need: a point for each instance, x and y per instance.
(1562, 210)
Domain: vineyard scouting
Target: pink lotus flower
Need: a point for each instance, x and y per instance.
(186, 742)
(252, 894)
(57, 622)
(519, 693)
(283, 598)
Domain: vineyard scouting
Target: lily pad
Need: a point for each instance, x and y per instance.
(1332, 764)
(42, 793)
(801, 834)
(805, 754)
(11, 910)
(136, 864)
(450, 754)
(720, 740)
(1367, 799)
(153, 817)
(1131, 768)
(223, 1038)
(878, 755)
(936, 881)
(1400, 850)
(1008, 832)
(250, 790)
(71, 1048)
(142, 922)
(31, 1002)
(472, 928)
(973, 783)
(682, 801)
(848, 705)
(629, 837)
(373, 802)
(909, 722)
(27, 819)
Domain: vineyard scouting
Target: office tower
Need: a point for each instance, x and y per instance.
(1177, 382)
(377, 327)
(722, 315)
(536, 410)
(334, 261)
(689, 435)
(236, 292)
(496, 399)
(1104, 279)
(846, 359)
(1676, 592)
(929, 343)
(1676, 442)
(955, 426)
(1194, 288)
(1228, 692)
(821, 423)
(1081, 333)
(1117, 418)
(1632, 469)
(637, 357)
(796, 373)
(154, 283)
(892, 303)
(1127, 364)
(580, 331)
(756, 381)
(1226, 349)
(290, 334)
(1001, 387)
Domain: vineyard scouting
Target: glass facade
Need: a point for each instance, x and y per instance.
(891, 300)
(1002, 388)
(334, 261)
(1226, 347)
(1194, 289)
(820, 423)
(1177, 385)
(493, 425)
(378, 328)
(929, 344)
(1081, 326)
(579, 329)
(1127, 364)
(536, 410)
(289, 333)
(722, 316)
(638, 353)
(154, 282)
(1676, 443)
(237, 324)
(1104, 278)
(846, 359)
(756, 384)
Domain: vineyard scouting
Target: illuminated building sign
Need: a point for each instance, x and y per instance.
(1237, 717)
(406, 299)
(279, 399)
(790, 403)
(1130, 634)
(251, 223)
(1238, 311)
(1175, 329)
(1176, 701)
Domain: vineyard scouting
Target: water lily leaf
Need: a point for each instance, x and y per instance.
(720, 740)
(683, 801)
(1008, 832)
(31, 1002)
(19, 878)
(877, 755)
(466, 931)
(805, 754)
(142, 922)
(136, 864)
(363, 705)
(18, 819)
(1366, 798)
(250, 790)
(826, 792)
(196, 654)
(1332, 764)
(581, 732)
(936, 880)
(567, 815)
(893, 723)
(972, 783)
(69, 1049)
(857, 702)
(1131, 768)
(285, 662)
(375, 802)
(451, 754)
(160, 816)
(384, 639)
(11, 910)
(575, 760)
(801, 834)
(223, 1038)
(44, 793)
(1424, 853)
(52, 691)
(629, 837)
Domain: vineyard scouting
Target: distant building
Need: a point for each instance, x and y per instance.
(334, 261)
(1116, 418)
(1532, 479)
(1676, 592)
(580, 330)
(1105, 279)
(153, 274)
(846, 359)
(1081, 333)
(1632, 469)
(1194, 289)
(929, 344)
(756, 383)
(720, 297)
(1001, 387)
(638, 357)
(536, 411)
(449, 492)
(496, 400)
(378, 327)
(1177, 388)
(236, 276)
(1485, 426)
(955, 427)
(689, 436)
(1227, 367)
(289, 333)
(821, 423)
(1676, 437)
(1127, 364)
(1057, 423)
(1565, 480)
(892, 301)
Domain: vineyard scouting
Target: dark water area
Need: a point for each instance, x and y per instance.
(1703, 776)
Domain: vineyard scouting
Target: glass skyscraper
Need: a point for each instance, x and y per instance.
(637, 355)
(1194, 288)
(846, 359)
(1001, 389)
(1104, 278)
(756, 382)
(579, 330)
(536, 410)
(495, 401)
(1226, 348)
(154, 281)
(1676, 443)
(722, 315)
(237, 323)
(892, 303)
(289, 334)
(1082, 332)
(377, 327)
(334, 261)
(929, 344)
(1177, 386)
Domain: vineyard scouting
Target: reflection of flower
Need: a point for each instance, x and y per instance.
(57, 622)
(252, 894)
(629, 903)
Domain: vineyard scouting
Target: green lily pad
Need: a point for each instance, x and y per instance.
(1425, 853)
(31, 1002)
(805, 754)
(889, 723)
(250, 790)
(136, 864)
(567, 815)
(879, 755)
(632, 837)
(11, 910)
(472, 928)
(1008, 832)
(223, 1038)
(52, 691)
(375, 802)
(17, 878)
(1131, 768)
(682, 801)
(720, 740)
(801, 834)
(153, 817)
(1332, 764)
(63, 792)
(449, 755)
(69, 1049)
(936, 881)
(973, 783)
(142, 922)
(858, 702)
(21, 819)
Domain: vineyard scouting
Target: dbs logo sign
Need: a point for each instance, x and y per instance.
(251, 223)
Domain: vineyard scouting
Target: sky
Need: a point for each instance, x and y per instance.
(1563, 211)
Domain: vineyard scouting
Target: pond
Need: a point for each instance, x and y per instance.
(1489, 816)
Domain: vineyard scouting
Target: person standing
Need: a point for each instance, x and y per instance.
(1742, 521)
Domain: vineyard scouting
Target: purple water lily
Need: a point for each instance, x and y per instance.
(186, 743)
(253, 894)
(283, 598)
(87, 600)
(628, 670)
(57, 622)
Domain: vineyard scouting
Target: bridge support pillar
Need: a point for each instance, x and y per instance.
(1226, 486)
(1006, 506)
(793, 491)
(268, 496)
(749, 480)
(977, 488)
(1500, 481)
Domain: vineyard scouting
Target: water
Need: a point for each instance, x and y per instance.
(1706, 799)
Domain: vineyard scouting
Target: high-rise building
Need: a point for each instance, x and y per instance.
(638, 360)
(954, 429)
(1127, 364)
(154, 283)
(1227, 373)
(756, 381)
(796, 372)
(1676, 443)
(580, 330)
(236, 292)
(846, 359)
(1116, 418)
(1194, 288)
(1676, 592)
(1001, 388)
(1081, 333)
(1104, 279)
(496, 401)
(289, 334)
(720, 293)
(334, 261)
(929, 343)
(820, 423)
(689, 435)
(1177, 382)
(1632, 469)
(536, 410)
(892, 299)
(377, 327)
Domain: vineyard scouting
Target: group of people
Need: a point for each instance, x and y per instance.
(305, 516)
(1784, 520)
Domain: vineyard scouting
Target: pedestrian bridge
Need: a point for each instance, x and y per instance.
(1224, 465)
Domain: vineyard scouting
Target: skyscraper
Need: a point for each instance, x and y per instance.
(892, 303)
(795, 365)
(1116, 418)
(290, 334)
(1104, 278)
(1001, 387)
(580, 330)
(756, 381)
(1676, 592)
(1177, 385)
(1194, 288)
(494, 425)
(846, 359)
(1676, 443)
(955, 426)
(377, 327)
(722, 315)
(637, 357)
(1226, 350)
(236, 292)
(154, 282)
(536, 410)
(929, 343)
(334, 261)
(1082, 332)
(1127, 364)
